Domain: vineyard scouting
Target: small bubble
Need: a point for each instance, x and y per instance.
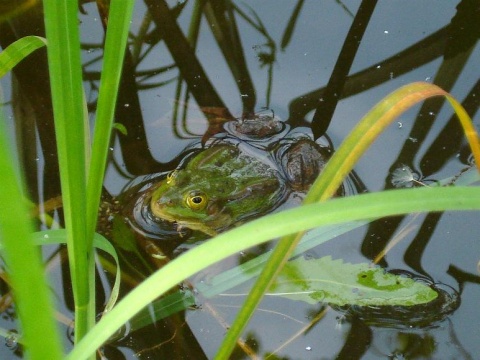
(340, 321)
(391, 75)
(308, 348)
(37, 159)
(428, 78)
(126, 105)
(11, 341)
(46, 236)
(385, 31)
(110, 148)
(400, 125)
(412, 139)
(379, 66)
(431, 113)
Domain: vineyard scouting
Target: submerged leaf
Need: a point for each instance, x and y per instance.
(339, 283)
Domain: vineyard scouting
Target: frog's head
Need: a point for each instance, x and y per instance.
(183, 198)
(218, 188)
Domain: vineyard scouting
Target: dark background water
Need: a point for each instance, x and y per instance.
(403, 42)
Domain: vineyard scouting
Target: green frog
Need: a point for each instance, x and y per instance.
(229, 183)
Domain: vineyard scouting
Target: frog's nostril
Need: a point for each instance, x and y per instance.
(165, 202)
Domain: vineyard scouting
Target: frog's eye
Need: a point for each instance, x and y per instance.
(171, 177)
(196, 200)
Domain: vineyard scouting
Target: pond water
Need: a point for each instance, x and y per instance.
(278, 57)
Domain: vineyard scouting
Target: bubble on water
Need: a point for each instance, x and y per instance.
(308, 348)
(46, 236)
(385, 31)
(428, 78)
(342, 319)
(11, 340)
(126, 105)
(400, 125)
(412, 139)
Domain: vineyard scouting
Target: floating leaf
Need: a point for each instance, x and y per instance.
(339, 283)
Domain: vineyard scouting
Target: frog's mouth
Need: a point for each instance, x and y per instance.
(158, 210)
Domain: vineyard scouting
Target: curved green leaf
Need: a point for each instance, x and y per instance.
(19, 50)
(59, 236)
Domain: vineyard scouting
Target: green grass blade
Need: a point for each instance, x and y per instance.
(360, 207)
(337, 168)
(19, 50)
(116, 39)
(32, 296)
(373, 124)
(61, 24)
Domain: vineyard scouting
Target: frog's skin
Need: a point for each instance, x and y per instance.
(220, 186)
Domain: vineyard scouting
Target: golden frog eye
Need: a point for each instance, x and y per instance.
(196, 200)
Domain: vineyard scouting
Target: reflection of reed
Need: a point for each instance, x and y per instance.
(403, 62)
(327, 104)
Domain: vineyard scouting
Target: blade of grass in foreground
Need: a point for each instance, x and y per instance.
(341, 163)
(361, 207)
(119, 17)
(373, 124)
(61, 24)
(32, 295)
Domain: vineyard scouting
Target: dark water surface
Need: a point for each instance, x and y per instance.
(287, 72)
